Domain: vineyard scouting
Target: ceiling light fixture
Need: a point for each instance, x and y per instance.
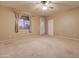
(44, 7)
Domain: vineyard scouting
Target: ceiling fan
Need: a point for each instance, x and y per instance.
(46, 5)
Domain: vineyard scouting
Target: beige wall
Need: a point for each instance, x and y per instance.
(67, 23)
(35, 25)
(7, 24)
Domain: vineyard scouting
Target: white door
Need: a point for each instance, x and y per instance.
(42, 25)
(50, 27)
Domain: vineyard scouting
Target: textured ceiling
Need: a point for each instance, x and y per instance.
(36, 8)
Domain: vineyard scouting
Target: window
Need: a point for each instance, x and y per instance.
(24, 23)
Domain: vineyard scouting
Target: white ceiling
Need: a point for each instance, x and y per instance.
(35, 6)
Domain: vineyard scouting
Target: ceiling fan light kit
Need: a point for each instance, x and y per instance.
(46, 5)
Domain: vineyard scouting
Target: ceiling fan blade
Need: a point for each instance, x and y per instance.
(53, 4)
(50, 5)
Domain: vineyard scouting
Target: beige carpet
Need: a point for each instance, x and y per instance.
(39, 46)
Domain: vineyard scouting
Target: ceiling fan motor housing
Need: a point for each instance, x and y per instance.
(43, 2)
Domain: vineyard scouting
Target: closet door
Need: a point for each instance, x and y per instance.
(51, 27)
(42, 25)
